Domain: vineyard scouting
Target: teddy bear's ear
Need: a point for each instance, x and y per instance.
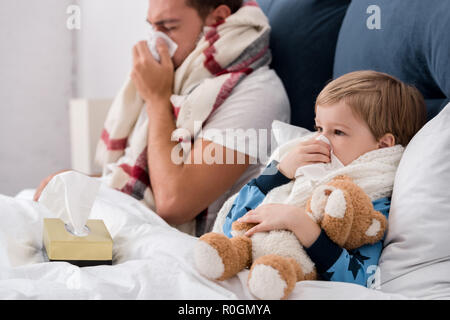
(315, 205)
(375, 231)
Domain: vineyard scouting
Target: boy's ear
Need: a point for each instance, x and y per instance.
(388, 140)
(217, 15)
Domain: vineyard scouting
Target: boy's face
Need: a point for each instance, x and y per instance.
(350, 136)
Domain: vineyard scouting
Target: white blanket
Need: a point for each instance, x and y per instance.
(151, 260)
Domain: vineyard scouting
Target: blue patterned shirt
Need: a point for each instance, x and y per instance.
(332, 262)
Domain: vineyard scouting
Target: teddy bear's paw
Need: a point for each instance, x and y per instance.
(374, 228)
(272, 277)
(266, 283)
(208, 261)
(375, 231)
(319, 200)
(219, 258)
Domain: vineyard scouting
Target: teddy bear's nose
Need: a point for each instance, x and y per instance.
(327, 192)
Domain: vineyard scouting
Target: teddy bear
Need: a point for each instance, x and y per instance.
(276, 258)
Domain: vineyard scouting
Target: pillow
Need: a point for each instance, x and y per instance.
(416, 259)
(303, 43)
(412, 44)
(284, 132)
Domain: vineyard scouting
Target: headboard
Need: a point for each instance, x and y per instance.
(303, 43)
(315, 41)
(410, 41)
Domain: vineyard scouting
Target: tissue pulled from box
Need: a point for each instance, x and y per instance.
(70, 196)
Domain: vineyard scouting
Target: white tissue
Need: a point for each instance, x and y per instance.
(319, 170)
(70, 196)
(153, 35)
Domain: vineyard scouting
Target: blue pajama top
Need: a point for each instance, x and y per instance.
(332, 262)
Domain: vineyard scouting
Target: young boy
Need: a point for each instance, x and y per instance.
(359, 112)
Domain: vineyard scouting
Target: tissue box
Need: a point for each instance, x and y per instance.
(91, 250)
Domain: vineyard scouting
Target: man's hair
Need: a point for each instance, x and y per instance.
(385, 103)
(204, 7)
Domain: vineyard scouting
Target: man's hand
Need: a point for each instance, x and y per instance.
(153, 80)
(308, 152)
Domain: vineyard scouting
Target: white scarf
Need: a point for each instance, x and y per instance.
(374, 172)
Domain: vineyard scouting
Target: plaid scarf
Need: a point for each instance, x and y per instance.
(226, 54)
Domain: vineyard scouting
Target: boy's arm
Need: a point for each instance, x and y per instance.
(337, 264)
(356, 266)
(253, 193)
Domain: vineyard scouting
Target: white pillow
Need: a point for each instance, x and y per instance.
(284, 132)
(416, 259)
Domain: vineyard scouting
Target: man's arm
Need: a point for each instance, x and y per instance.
(182, 191)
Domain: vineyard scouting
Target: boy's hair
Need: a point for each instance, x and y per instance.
(204, 7)
(385, 103)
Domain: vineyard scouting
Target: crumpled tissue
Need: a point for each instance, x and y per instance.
(317, 171)
(153, 36)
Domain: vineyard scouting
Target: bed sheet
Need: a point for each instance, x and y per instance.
(151, 260)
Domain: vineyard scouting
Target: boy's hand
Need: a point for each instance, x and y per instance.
(274, 216)
(277, 216)
(307, 152)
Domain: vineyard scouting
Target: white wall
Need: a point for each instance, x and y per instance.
(43, 65)
(35, 85)
(109, 30)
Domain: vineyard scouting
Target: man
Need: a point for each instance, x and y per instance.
(186, 191)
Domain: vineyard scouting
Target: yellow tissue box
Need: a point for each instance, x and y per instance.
(91, 250)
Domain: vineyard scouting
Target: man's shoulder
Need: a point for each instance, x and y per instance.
(254, 104)
(261, 91)
(262, 78)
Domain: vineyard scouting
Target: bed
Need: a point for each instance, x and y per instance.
(312, 42)
(151, 260)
